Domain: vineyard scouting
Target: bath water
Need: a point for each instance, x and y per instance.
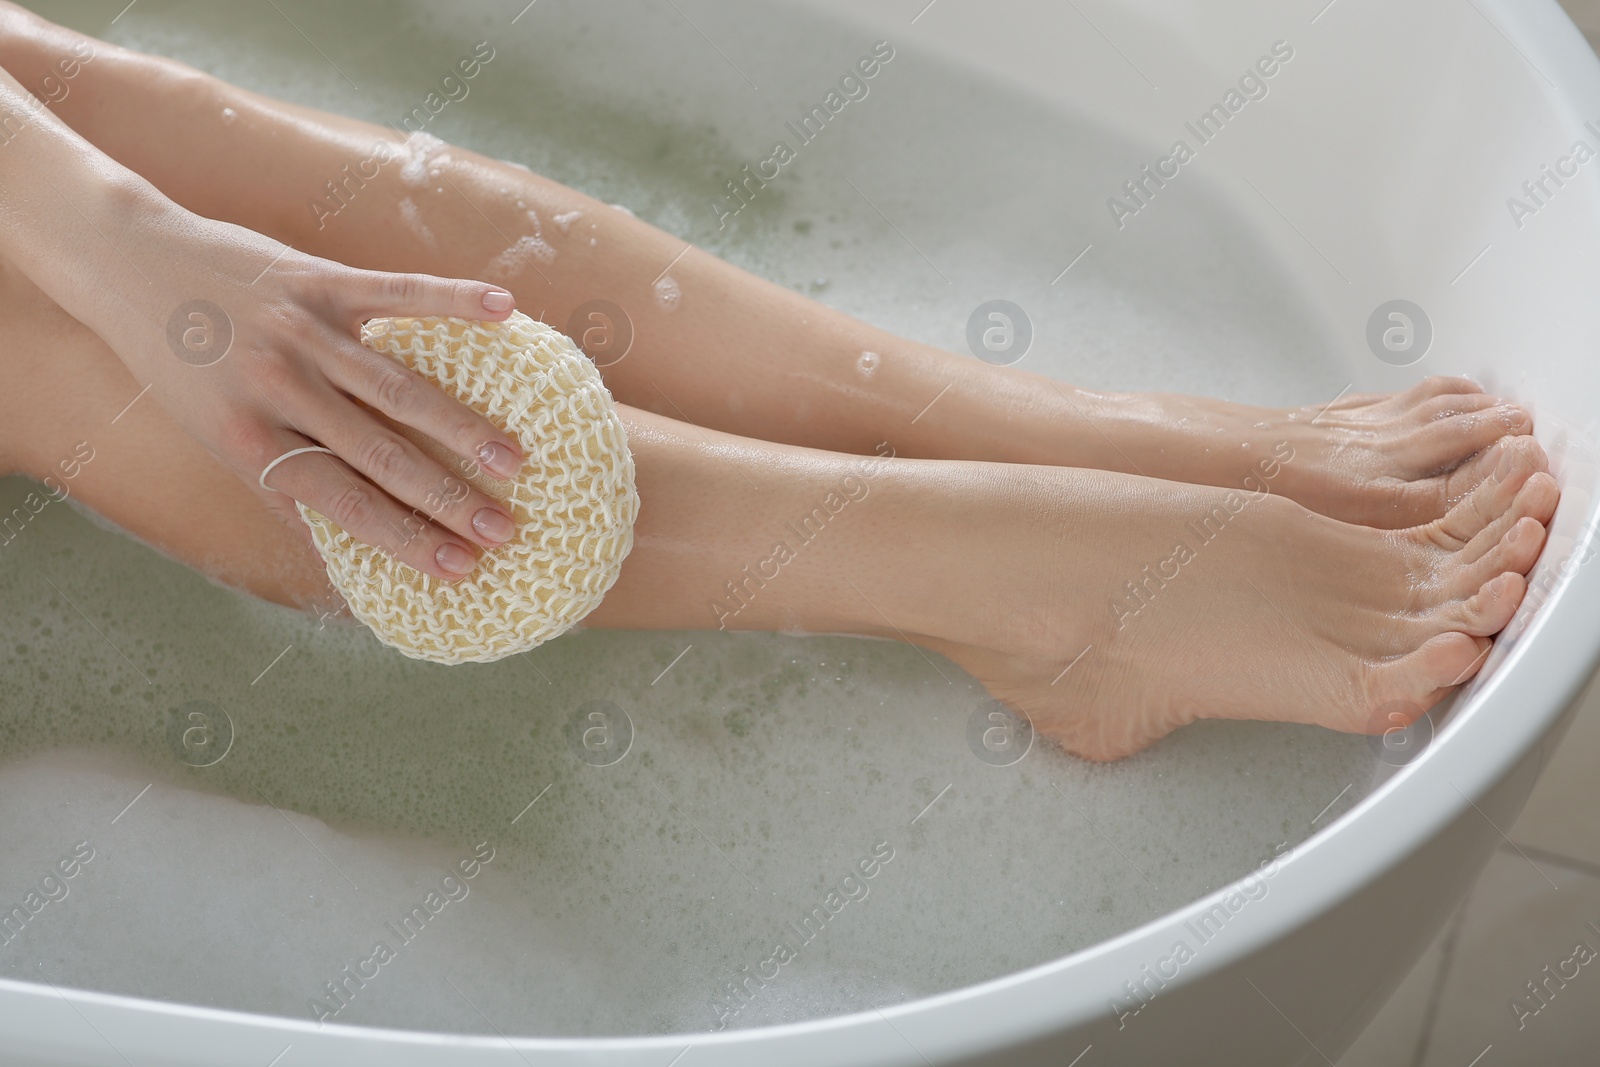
(664, 831)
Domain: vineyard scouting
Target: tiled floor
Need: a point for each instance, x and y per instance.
(1531, 909)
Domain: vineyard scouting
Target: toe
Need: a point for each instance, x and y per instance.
(1413, 503)
(1447, 440)
(1415, 682)
(1487, 611)
(1513, 553)
(1472, 473)
(1445, 663)
(1487, 501)
(1440, 385)
(1445, 405)
(1535, 501)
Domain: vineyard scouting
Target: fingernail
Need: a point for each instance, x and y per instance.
(454, 559)
(496, 301)
(501, 461)
(494, 525)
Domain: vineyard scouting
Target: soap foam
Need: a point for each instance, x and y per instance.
(413, 220)
(668, 292)
(418, 149)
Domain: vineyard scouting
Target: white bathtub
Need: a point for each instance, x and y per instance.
(1378, 167)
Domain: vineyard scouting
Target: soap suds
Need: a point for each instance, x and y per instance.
(668, 294)
(513, 261)
(417, 149)
(413, 220)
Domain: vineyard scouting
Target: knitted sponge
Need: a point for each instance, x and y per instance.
(573, 501)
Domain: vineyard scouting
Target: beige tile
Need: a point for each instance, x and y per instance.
(1563, 814)
(1562, 817)
(1586, 13)
(1393, 1038)
(1520, 919)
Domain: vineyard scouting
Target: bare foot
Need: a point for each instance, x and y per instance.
(1386, 460)
(1401, 459)
(1119, 612)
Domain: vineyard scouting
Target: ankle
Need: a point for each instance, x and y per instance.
(955, 552)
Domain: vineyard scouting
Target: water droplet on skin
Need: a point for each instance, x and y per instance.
(1263, 425)
(867, 364)
(667, 292)
(228, 114)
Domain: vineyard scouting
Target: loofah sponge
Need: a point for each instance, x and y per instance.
(573, 502)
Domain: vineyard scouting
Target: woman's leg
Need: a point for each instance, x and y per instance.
(1111, 608)
(793, 365)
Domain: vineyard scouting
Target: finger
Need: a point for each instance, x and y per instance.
(388, 386)
(401, 469)
(329, 486)
(423, 295)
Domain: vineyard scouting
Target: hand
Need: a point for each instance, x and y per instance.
(271, 361)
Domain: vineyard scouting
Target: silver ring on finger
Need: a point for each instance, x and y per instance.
(293, 452)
